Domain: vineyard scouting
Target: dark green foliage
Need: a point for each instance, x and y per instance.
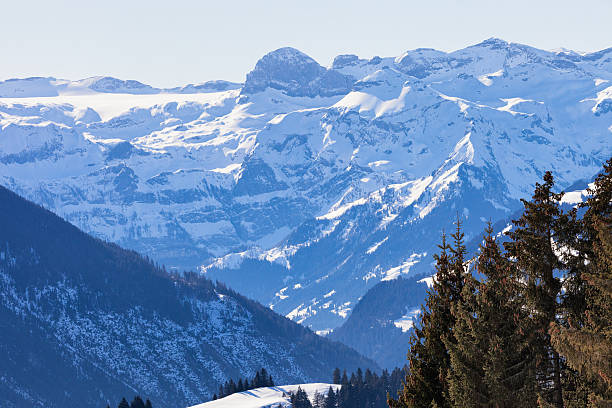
(532, 247)
(300, 399)
(427, 381)
(260, 379)
(367, 390)
(528, 327)
(137, 402)
(336, 376)
(331, 401)
(491, 360)
(586, 341)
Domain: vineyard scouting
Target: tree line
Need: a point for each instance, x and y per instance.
(526, 322)
(260, 379)
(137, 402)
(360, 390)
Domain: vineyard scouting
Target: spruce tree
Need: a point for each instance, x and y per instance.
(587, 343)
(264, 378)
(137, 402)
(300, 399)
(331, 400)
(426, 383)
(318, 400)
(532, 245)
(466, 350)
(491, 362)
(123, 403)
(336, 376)
(148, 404)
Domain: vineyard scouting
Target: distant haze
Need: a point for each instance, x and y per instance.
(170, 43)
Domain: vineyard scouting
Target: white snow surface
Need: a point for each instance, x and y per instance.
(267, 397)
(323, 177)
(406, 322)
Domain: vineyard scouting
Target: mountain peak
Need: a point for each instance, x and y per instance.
(288, 55)
(494, 43)
(107, 84)
(295, 74)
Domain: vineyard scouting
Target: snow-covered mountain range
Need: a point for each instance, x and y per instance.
(307, 185)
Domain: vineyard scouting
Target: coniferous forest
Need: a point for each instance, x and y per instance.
(137, 402)
(260, 379)
(527, 322)
(359, 390)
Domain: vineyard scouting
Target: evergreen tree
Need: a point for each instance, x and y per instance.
(318, 400)
(137, 402)
(148, 404)
(426, 383)
(331, 400)
(343, 394)
(265, 380)
(466, 350)
(491, 360)
(369, 392)
(300, 399)
(336, 376)
(533, 246)
(586, 343)
(123, 404)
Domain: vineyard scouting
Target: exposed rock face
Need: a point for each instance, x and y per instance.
(295, 74)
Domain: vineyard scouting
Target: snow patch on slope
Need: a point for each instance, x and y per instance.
(268, 396)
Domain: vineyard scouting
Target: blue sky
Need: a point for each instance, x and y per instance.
(168, 43)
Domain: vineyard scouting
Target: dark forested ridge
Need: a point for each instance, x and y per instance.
(523, 324)
(85, 322)
(370, 329)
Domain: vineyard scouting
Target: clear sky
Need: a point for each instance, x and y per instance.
(174, 42)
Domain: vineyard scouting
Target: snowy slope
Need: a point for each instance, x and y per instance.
(307, 185)
(268, 396)
(85, 322)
